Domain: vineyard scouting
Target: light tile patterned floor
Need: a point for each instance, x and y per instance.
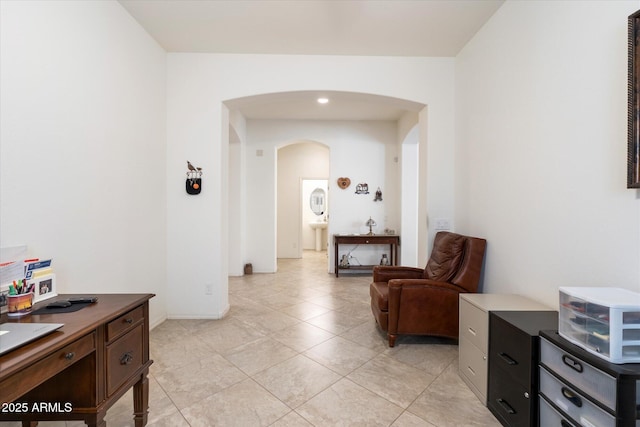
(299, 348)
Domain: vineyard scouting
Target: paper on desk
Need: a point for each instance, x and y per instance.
(13, 253)
(12, 263)
(11, 271)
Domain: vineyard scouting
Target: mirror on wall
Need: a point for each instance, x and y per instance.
(317, 201)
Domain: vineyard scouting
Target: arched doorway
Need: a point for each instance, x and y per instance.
(366, 148)
(295, 163)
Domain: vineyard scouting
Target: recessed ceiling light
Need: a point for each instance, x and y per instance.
(323, 100)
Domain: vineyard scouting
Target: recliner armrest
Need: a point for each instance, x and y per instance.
(425, 283)
(384, 273)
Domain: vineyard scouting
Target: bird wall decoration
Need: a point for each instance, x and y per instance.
(194, 179)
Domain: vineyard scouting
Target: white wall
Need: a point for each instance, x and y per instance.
(541, 101)
(237, 194)
(82, 152)
(361, 150)
(538, 164)
(409, 200)
(197, 86)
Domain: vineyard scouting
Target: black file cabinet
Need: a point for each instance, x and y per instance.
(513, 364)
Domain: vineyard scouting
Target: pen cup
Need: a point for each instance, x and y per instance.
(19, 305)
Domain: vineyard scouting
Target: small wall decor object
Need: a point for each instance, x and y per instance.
(344, 183)
(378, 197)
(362, 188)
(194, 179)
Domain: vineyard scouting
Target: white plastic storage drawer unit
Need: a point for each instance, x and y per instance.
(585, 389)
(550, 417)
(572, 402)
(603, 321)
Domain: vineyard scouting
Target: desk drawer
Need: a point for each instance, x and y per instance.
(124, 323)
(124, 358)
(46, 368)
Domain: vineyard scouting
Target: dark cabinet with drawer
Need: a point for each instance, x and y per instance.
(513, 360)
(124, 348)
(81, 370)
(580, 389)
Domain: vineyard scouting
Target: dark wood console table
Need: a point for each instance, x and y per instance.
(79, 371)
(365, 239)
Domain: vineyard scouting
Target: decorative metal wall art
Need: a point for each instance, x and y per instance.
(378, 197)
(362, 188)
(194, 179)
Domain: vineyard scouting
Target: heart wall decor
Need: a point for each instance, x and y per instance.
(344, 183)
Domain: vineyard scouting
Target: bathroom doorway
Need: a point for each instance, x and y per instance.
(296, 163)
(315, 214)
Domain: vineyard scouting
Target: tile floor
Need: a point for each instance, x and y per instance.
(299, 348)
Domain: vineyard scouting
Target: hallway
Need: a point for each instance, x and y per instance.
(300, 348)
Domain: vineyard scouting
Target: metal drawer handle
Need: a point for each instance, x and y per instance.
(128, 320)
(507, 359)
(126, 358)
(472, 332)
(69, 355)
(571, 397)
(506, 406)
(572, 363)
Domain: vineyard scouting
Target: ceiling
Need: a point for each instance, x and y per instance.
(315, 27)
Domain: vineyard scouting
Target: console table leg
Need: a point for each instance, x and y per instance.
(29, 424)
(141, 401)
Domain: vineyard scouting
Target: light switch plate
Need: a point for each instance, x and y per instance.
(442, 224)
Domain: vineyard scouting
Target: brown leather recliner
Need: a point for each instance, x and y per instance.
(415, 301)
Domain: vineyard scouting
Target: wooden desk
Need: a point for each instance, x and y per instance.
(79, 371)
(365, 239)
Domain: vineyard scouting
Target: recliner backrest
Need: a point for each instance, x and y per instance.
(456, 259)
(446, 256)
